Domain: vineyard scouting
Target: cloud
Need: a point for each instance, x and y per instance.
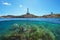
(20, 5)
(6, 3)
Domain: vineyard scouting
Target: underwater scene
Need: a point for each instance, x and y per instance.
(29, 28)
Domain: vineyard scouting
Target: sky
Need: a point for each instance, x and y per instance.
(36, 7)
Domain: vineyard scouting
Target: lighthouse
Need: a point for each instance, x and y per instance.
(27, 11)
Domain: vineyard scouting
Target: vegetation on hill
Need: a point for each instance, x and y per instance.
(32, 16)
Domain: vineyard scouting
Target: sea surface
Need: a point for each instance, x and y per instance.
(53, 24)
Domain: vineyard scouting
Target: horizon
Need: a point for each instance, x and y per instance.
(36, 7)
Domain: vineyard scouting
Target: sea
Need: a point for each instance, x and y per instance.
(53, 24)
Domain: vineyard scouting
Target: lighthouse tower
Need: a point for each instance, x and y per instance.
(27, 11)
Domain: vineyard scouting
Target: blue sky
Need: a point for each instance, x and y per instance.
(37, 7)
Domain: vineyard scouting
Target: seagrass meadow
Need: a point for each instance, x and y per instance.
(29, 30)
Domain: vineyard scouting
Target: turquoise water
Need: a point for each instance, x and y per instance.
(53, 24)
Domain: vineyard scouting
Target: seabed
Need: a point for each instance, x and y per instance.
(28, 32)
